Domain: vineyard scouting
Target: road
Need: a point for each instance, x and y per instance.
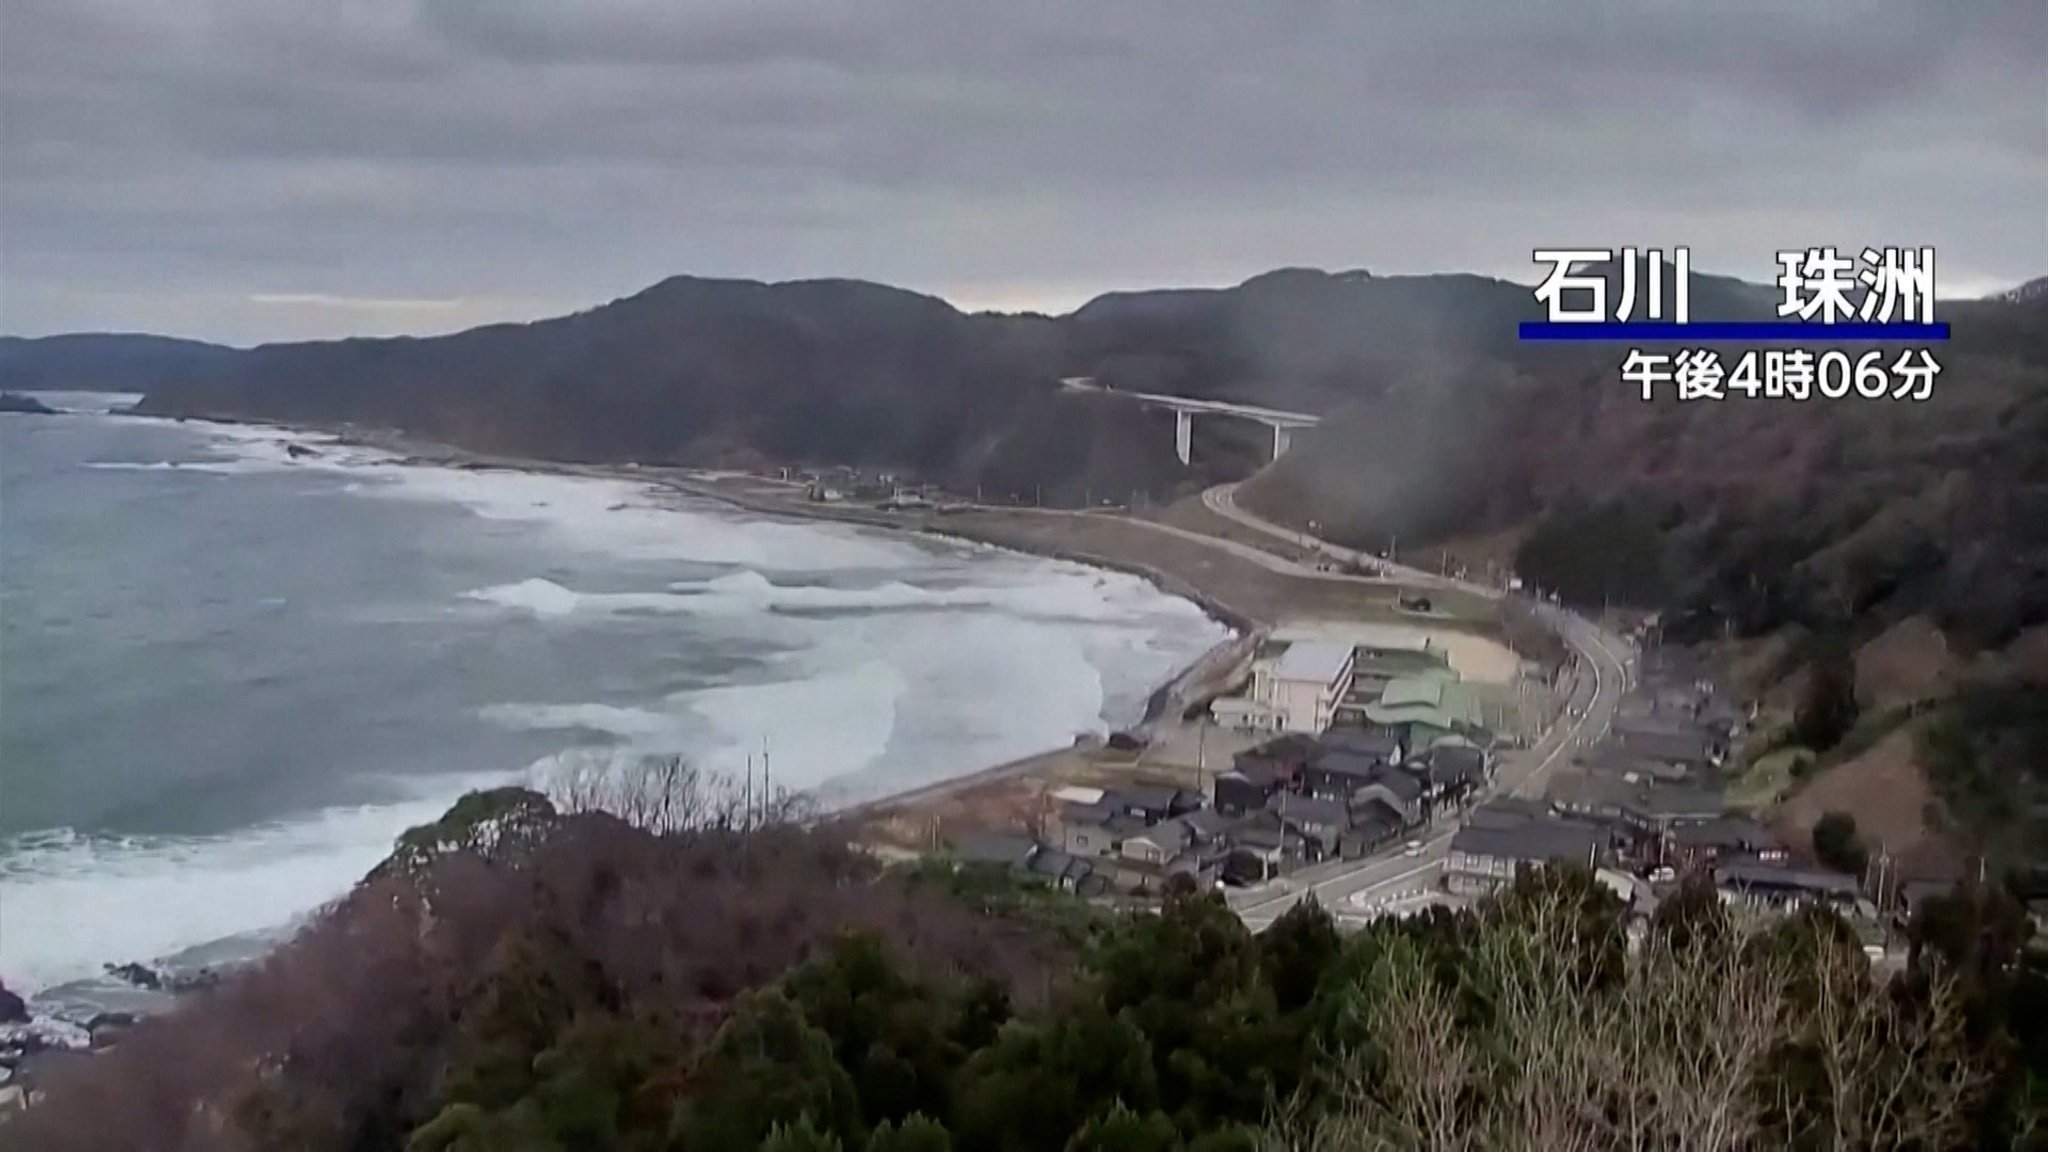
(1598, 678)
(785, 497)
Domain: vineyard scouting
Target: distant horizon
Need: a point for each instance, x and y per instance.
(1041, 299)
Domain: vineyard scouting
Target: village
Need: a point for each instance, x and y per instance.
(1383, 768)
(1360, 758)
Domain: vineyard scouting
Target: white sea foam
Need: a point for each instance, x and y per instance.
(918, 662)
(69, 903)
(649, 730)
(628, 519)
(812, 728)
(207, 467)
(1068, 593)
(90, 403)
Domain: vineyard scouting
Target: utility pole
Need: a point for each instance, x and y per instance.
(1283, 829)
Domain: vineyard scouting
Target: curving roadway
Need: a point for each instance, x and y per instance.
(1597, 678)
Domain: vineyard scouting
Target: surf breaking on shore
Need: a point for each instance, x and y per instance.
(134, 897)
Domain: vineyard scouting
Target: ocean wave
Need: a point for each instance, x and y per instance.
(1086, 598)
(654, 731)
(208, 467)
(74, 900)
(813, 728)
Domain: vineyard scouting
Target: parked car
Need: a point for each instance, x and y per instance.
(1412, 848)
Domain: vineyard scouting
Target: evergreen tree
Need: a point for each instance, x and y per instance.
(766, 1066)
(917, 1133)
(802, 1136)
(1296, 950)
(1828, 710)
(1836, 843)
(1122, 1130)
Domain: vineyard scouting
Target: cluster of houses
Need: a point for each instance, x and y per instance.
(832, 485)
(1647, 804)
(1368, 744)
(1291, 801)
(1364, 744)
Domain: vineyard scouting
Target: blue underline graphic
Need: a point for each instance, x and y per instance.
(1744, 332)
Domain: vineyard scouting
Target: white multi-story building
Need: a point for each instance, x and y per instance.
(1296, 689)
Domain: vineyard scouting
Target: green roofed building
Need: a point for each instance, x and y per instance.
(1375, 667)
(1428, 708)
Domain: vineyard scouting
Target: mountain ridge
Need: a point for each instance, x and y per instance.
(1812, 524)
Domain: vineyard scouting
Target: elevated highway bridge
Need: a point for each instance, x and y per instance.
(1186, 408)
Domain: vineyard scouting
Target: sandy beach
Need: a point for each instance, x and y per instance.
(1250, 585)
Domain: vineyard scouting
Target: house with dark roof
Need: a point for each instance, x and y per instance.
(1507, 812)
(1097, 829)
(1609, 758)
(1158, 844)
(1237, 791)
(1398, 788)
(1320, 823)
(1261, 846)
(1776, 887)
(995, 848)
(1590, 796)
(1026, 856)
(1659, 807)
(1151, 802)
(1207, 825)
(1487, 855)
(1452, 770)
(1335, 774)
(1700, 844)
(1197, 869)
(1374, 824)
(1379, 743)
(1061, 868)
(1690, 746)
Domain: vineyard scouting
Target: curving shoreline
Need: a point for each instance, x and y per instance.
(1164, 699)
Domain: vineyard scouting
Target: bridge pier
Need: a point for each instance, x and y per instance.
(1281, 439)
(1183, 435)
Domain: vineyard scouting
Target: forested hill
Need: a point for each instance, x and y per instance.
(516, 979)
(697, 370)
(105, 362)
(1823, 526)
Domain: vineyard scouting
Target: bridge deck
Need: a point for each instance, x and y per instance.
(1273, 416)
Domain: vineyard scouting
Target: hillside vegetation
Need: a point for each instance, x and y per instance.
(520, 980)
(1815, 525)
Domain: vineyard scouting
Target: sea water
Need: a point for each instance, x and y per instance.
(231, 674)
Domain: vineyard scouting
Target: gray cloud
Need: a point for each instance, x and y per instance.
(246, 170)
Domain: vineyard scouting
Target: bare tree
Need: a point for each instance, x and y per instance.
(668, 794)
(1687, 1047)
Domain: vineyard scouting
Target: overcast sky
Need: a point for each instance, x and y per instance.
(246, 170)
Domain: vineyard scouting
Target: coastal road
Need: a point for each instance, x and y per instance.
(1222, 500)
(1597, 679)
